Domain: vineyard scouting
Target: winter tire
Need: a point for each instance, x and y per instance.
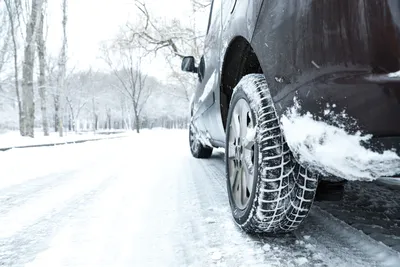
(198, 150)
(269, 192)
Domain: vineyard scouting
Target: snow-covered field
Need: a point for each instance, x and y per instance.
(144, 201)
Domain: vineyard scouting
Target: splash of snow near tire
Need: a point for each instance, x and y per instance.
(331, 150)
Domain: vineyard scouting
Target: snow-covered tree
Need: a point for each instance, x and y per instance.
(12, 12)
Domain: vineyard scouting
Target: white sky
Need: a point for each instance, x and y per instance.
(92, 21)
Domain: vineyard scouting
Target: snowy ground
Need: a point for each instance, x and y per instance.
(144, 201)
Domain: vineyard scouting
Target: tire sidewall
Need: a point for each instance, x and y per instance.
(241, 215)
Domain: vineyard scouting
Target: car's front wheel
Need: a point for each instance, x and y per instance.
(198, 150)
(268, 190)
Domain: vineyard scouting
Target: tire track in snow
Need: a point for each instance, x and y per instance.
(32, 210)
(372, 208)
(101, 234)
(17, 195)
(236, 247)
(23, 246)
(137, 222)
(32, 184)
(122, 226)
(334, 238)
(227, 245)
(193, 236)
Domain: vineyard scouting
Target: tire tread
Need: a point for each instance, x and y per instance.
(285, 189)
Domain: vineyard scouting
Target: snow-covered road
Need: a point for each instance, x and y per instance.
(144, 201)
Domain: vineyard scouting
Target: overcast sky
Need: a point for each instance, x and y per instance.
(93, 21)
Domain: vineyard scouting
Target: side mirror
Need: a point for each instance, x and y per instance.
(188, 64)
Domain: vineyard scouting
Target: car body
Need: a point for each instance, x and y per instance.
(337, 53)
(324, 51)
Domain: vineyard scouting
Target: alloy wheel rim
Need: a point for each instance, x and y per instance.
(241, 154)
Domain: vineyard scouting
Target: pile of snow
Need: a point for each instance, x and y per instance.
(331, 150)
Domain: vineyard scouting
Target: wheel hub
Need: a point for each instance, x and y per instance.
(238, 154)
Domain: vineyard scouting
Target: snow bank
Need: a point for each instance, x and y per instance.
(12, 139)
(331, 150)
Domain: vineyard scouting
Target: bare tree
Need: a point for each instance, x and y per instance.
(154, 34)
(131, 79)
(41, 45)
(62, 69)
(198, 4)
(173, 38)
(62, 65)
(5, 35)
(153, 37)
(94, 98)
(12, 13)
(77, 94)
(74, 112)
(28, 102)
(53, 79)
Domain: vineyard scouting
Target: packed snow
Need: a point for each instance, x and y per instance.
(145, 201)
(331, 150)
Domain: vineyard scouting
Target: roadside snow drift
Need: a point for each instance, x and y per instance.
(331, 150)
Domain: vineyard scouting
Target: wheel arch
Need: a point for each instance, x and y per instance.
(239, 60)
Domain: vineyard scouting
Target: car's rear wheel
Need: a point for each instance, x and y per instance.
(198, 150)
(268, 190)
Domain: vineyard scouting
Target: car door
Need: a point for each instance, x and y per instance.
(237, 18)
(204, 97)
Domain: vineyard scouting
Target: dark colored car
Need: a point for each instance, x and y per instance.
(258, 56)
